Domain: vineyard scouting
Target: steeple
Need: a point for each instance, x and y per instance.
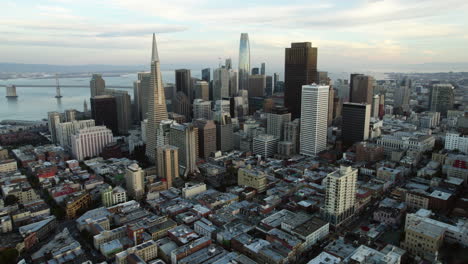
(154, 54)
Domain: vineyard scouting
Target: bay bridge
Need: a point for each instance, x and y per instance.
(11, 88)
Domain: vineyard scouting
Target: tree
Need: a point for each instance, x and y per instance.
(11, 200)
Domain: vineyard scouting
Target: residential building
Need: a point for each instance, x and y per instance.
(112, 196)
(185, 137)
(135, 181)
(167, 158)
(53, 118)
(455, 141)
(252, 178)
(89, 142)
(67, 129)
(8, 165)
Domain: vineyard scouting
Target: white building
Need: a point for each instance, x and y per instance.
(265, 145)
(223, 106)
(66, 130)
(403, 141)
(192, 189)
(89, 142)
(314, 112)
(201, 109)
(135, 181)
(276, 121)
(456, 141)
(340, 195)
(220, 83)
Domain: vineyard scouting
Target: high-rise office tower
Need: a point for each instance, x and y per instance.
(265, 145)
(144, 79)
(244, 62)
(275, 82)
(314, 109)
(331, 96)
(291, 134)
(97, 85)
(202, 90)
(323, 78)
(276, 120)
(89, 142)
(268, 85)
(103, 111)
(206, 137)
(222, 105)
(135, 181)
(257, 84)
(182, 105)
(300, 68)
(53, 118)
(356, 120)
(201, 109)
(401, 97)
(163, 131)
(233, 83)
(183, 80)
(124, 109)
(375, 106)
(441, 98)
(224, 131)
(340, 195)
(337, 107)
(381, 106)
(137, 100)
(262, 69)
(361, 89)
(220, 83)
(70, 115)
(167, 158)
(185, 137)
(206, 75)
(85, 107)
(255, 71)
(228, 64)
(157, 110)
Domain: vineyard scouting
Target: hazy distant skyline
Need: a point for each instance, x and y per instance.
(350, 35)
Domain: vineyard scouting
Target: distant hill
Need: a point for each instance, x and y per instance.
(48, 68)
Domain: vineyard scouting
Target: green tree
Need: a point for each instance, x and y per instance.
(11, 200)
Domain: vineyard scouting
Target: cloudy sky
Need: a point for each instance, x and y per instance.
(350, 34)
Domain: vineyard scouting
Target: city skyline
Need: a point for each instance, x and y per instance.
(368, 35)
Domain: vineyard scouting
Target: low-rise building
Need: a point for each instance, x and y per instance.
(252, 178)
(8, 165)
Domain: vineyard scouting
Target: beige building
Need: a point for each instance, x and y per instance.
(252, 178)
(135, 180)
(168, 163)
(8, 165)
(146, 251)
(185, 137)
(3, 153)
(340, 195)
(21, 190)
(417, 200)
(423, 239)
(192, 189)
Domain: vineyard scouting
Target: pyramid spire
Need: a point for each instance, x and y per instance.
(154, 54)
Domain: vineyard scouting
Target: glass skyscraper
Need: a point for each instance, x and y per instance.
(244, 62)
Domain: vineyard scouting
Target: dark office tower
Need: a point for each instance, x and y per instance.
(257, 84)
(145, 83)
(104, 112)
(228, 64)
(97, 85)
(269, 85)
(361, 89)
(206, 75)
(275, 82)
(300, 68)
(206, 137)
(183, 80)
(244, 62)
(355, 126)
(182, 105)
(441, 98)
(262, 69)
(331, 96)
(255, 71)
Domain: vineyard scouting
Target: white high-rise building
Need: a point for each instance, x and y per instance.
(340, 195)
(220, 83)
(314, 113)
(53, 120)
(456, 141)
(223, 106)
(66, 130)
(276, 121)
(201, 109)
(89, 142)
(157, 110)
(135, 181)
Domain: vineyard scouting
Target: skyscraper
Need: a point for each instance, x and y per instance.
(201, 109)
(375, 106)
(145, 81)
(361, 89)
(206, 75)
(262, 69)
(244, 62)
(275, 82)
(220, 83)
(157, 110)
(53, 120)
(268, 85)
(89, 142)
(224, 131)
(185, 137)
(97, 85)
(182, 105)
(183, 80)
(202, 90)
(135, 181)
(124, 109)
(257, 84)
(356, 120)
(103, 111)
(233, 83)
(228, 64)
(441, 98)
(331, 97)
(300, 68)
(255, 71)
(314, 110)
(206, 137)
(276, 121)
(168, 163)
(340, 195)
